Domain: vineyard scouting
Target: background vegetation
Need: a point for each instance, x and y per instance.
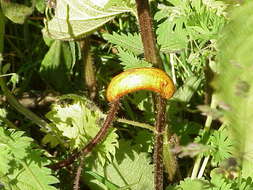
(57, 59)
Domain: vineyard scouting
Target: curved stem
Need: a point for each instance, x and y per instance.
(96, 140)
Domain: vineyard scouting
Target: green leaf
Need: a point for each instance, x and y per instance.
(234, 83)
(79, 121)
(190, 184)
(56, 66)
(221, 145)
(129, 168)
(185, 93)
(76, 19)
(130, 61)
(15, 12)
(219, 181)
(40, 5)
(130, 42)
(15, 143)
(22, 166)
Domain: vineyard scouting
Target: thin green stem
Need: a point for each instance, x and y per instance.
(206, 129)
(135, 123)
(202, 169)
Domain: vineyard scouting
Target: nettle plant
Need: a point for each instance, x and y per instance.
(140, 44)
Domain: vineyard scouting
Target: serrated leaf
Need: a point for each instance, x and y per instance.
(128, 168)
(22, 166)
(234, 83)
(76, 19)
(15, 143)
(79, 123)
(190, 184)
(130, 61)
(56, 66)
(15, 12)
(130, 42)
(32, 176)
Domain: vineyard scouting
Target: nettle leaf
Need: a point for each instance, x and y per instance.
(76, 19)
(234, 83)
(129, 168)
(22, 166)
(56, 66)
(130, 42)
(189, 184)
(79, 121)
(130, 61)
(17, 13)
(221, 145)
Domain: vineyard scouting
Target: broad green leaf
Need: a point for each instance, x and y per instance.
(56, 66)
(15, 12)
(234, 83)
(75, 19)
(130, 168)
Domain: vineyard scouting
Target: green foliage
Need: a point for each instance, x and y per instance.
(78, 120)
(75, 19)
(187, 34)
(128, 60)
(17, 13)
(130, 42)
(221, 145)
(130, 168)
(56, 66)
(234, 83)
(22, 166)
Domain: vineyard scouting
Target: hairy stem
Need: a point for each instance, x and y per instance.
(158, 153)
(96, 140)
(89, 72)
(151, 54)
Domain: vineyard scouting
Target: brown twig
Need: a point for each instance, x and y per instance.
(96, 140)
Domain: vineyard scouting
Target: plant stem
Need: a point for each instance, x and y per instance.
(206, 129)
(89, 72)
(151, 54)
(96, 140)
(136, 123)
(158, 152)
(202, 169)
